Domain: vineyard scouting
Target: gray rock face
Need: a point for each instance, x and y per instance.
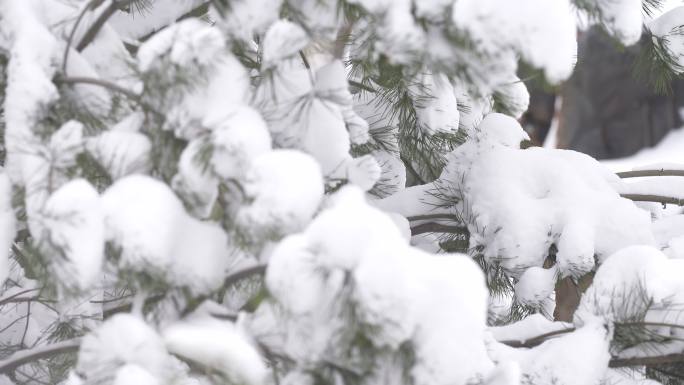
(607, 112)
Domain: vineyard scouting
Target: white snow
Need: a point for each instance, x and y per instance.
(668, 186)
(623, 19)
(148, 222)
(128, 342)
(72, 233)
(283, 39)
(132, 374)
(135, 25)
(248, 17)
(584, 353)
(541, 31)
(532, 326)
(561, 197)
(217, 345)
(439, 112)
(515, 96)
(668, 28)
(285, 188)
(668, 151)
(121, 152)
(34, 51)
(634, 275)
(392, 280)
(536, 286)
(8, 225)
(237, 140)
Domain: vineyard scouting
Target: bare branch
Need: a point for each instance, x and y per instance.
(654, 198)
(646, 361)
(640, 173)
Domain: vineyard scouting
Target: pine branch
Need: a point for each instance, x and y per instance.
(34, 354)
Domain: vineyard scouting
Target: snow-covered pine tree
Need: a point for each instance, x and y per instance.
(321, 192)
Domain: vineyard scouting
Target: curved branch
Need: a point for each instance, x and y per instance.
(244, 273)
(640, 173)
(432, 227)
(233, 278)
(112, 87)
(95, 28)
(12, 298)
(89, 6)
(433, 216)
(654, 198)
(538, 340)
(34, 354)
(99, 82)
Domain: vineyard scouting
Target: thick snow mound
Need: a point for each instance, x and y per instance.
(520, 202)
(632, 277)
(401, 293)
(146, 220)
(285, 188)
(218, 345)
